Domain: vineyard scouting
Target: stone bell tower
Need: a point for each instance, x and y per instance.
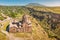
(26, 23)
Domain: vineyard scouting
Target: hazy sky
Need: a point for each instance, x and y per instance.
(24, 2)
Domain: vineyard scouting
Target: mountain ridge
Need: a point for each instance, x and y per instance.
(35, 4)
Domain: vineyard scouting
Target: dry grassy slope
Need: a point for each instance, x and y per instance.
(4, 24)
(47, 9)
(38, 32)
(2, 35)
(55, 9)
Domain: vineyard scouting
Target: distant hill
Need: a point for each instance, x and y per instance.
(35, 4)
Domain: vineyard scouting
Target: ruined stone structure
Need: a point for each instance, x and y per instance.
(23, 26)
